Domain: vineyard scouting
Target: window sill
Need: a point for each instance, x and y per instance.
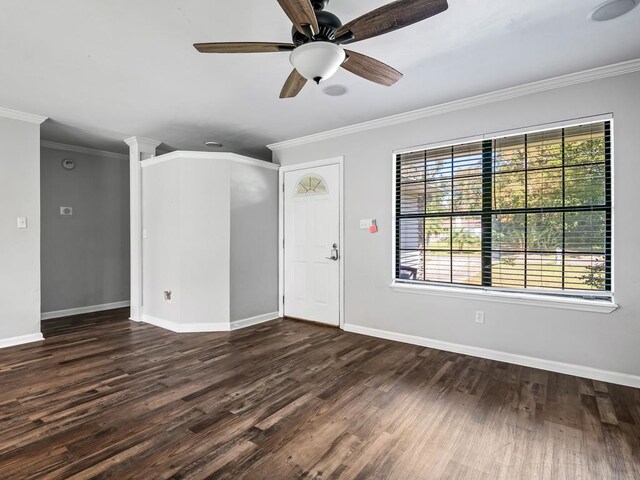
(597, 306)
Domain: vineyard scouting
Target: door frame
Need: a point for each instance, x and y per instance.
(281, 246)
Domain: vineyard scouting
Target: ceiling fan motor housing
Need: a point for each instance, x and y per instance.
(319, 4)
(328, 24)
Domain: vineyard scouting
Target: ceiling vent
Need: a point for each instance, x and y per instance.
(613, 9)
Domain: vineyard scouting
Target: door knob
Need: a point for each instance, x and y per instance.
(335, 255)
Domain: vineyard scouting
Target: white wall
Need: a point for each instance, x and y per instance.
(161, 217)
(186, 209)
(19, 249)
(603, 341)
(254, 241)
(85, 257)
(211, 237)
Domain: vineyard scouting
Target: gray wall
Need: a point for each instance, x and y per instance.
(19, 249)
(254, 241)
(85, 257)
(608, 342)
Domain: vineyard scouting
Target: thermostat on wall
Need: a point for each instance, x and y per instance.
(66, 210)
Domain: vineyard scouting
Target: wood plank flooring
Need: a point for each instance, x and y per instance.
(103, 397)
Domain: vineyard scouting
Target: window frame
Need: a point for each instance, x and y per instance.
(602, 302)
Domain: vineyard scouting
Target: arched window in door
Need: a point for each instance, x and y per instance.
(311, 185)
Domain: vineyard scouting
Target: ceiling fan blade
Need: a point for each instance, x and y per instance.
(244, 47)
(293, 85)
(301, 13)
(398, 14)
(370, 69)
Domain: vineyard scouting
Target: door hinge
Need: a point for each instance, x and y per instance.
(283, 299)
(282, 187)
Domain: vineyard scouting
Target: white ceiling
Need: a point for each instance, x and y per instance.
(106, 70)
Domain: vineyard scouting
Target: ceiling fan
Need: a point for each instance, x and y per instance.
(316, 52)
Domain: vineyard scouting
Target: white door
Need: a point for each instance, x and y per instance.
(311, 244)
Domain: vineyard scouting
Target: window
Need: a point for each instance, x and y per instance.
(310, 185)
(525, 212)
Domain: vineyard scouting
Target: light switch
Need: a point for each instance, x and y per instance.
(366, 223)
(22, 222)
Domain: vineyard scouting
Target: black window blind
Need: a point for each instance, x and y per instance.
(524, 212)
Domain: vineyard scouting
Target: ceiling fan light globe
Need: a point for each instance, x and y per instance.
(317, 61)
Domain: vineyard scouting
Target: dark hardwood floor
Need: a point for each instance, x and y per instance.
(103, 397)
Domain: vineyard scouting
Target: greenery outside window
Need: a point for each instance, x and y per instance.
(529, 212)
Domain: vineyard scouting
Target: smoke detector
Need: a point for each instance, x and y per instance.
(335, 90)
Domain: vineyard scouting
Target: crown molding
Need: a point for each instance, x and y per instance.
(492, 97)
(144, 144)
(233, 157)
(85, 150)
(22, 116)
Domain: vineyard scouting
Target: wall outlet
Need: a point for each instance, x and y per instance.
(22, 222)
(479, 316)
(167, 295)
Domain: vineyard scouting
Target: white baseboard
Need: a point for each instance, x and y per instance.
(185, 327)
(550, 365)
(247, 322)
(208, 327)
(80, 310)
(13, 341)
